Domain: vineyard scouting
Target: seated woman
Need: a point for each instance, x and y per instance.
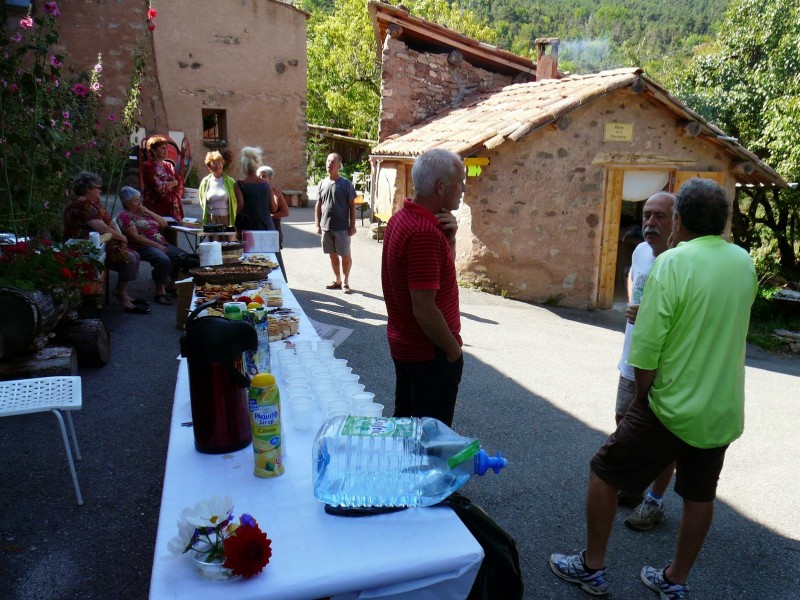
(143, 228)
(85, 214)
(279, 207)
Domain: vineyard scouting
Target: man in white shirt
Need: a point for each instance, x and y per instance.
(656, 226)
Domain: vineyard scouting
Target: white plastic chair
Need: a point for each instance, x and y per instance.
(54, 394)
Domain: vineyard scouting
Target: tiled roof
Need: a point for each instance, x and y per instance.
(488, 119)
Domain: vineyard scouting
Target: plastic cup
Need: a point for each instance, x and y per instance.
(298, 390)
(337, 362)
(295, 379)
(370, 409)
(324, 344)
(337, 405)
(336, 371)
(302, 345)
(300, 399)
(337, 413)
(324, 353)
(324, 383)
(352, 388)
(363, 398)
(323, 396)
(276, 347)
(302, 415)
(347, 378)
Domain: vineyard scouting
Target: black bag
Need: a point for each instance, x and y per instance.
(499, 575)
(184, 262)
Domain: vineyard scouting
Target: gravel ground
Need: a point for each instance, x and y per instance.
(539, 385)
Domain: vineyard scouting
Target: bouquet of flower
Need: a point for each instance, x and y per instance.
(209, 530)
(65, 272)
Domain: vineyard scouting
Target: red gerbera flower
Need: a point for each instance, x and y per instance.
(152, 13)
(151, 26)
(67, 273)
(247, 552)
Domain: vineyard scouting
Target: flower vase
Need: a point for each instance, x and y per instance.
(211, 569)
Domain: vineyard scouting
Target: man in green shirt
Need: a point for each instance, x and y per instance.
(688, 351)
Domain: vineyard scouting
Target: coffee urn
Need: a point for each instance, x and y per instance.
(213, 348)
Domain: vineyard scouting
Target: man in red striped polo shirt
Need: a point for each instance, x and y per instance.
(419, 287)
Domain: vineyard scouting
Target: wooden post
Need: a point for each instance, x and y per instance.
(607, 270)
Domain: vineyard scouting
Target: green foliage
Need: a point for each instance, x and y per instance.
(343, 63)
(192, 179)
(601, 34)
(49, 125)
(747, 81)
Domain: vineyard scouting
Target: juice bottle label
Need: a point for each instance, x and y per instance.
(386, 427)
(265, 421)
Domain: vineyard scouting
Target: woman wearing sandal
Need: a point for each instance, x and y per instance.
(85, 214)
(143, 228)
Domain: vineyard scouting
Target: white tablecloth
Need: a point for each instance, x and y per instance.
(422, 553)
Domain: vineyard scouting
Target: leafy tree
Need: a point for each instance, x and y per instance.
(343, 68)
(748, 82)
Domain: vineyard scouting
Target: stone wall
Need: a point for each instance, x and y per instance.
(415, 85)
(531, 224)
(111, 28)
(247, 58)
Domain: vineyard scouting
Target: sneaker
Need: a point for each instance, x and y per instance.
(628, 499)
(646, 515)
(654, 579)
(572, 569)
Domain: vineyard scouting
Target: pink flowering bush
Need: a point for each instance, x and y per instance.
(49, 124)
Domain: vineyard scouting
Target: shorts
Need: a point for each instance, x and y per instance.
(642, 447)
(336, 242)
(626, 392)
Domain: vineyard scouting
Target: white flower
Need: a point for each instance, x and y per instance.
(180, 542)
(211, 512)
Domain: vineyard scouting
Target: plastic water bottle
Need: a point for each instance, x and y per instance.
(393, 461)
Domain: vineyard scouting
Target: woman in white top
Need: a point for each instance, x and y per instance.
(220, 197)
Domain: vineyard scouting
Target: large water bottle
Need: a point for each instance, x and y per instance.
(393, 461)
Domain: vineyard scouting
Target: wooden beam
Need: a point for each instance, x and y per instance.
(467, 49)
(638, 160)
(690, 128)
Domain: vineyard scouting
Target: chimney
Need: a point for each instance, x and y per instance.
(546, 58)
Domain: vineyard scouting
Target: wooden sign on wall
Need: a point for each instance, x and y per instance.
(618, 132)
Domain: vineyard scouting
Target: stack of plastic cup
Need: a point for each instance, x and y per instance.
(369, 409)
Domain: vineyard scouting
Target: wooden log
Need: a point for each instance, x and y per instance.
(50, 361)
(24, 315)
(90, 339)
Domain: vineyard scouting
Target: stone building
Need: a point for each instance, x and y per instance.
(557, 168)
(226, 75)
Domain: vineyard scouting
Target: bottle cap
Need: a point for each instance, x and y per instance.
(484, 462)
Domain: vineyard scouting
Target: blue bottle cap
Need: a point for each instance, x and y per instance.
(484, 462)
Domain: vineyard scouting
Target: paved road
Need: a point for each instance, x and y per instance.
(539, 384)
